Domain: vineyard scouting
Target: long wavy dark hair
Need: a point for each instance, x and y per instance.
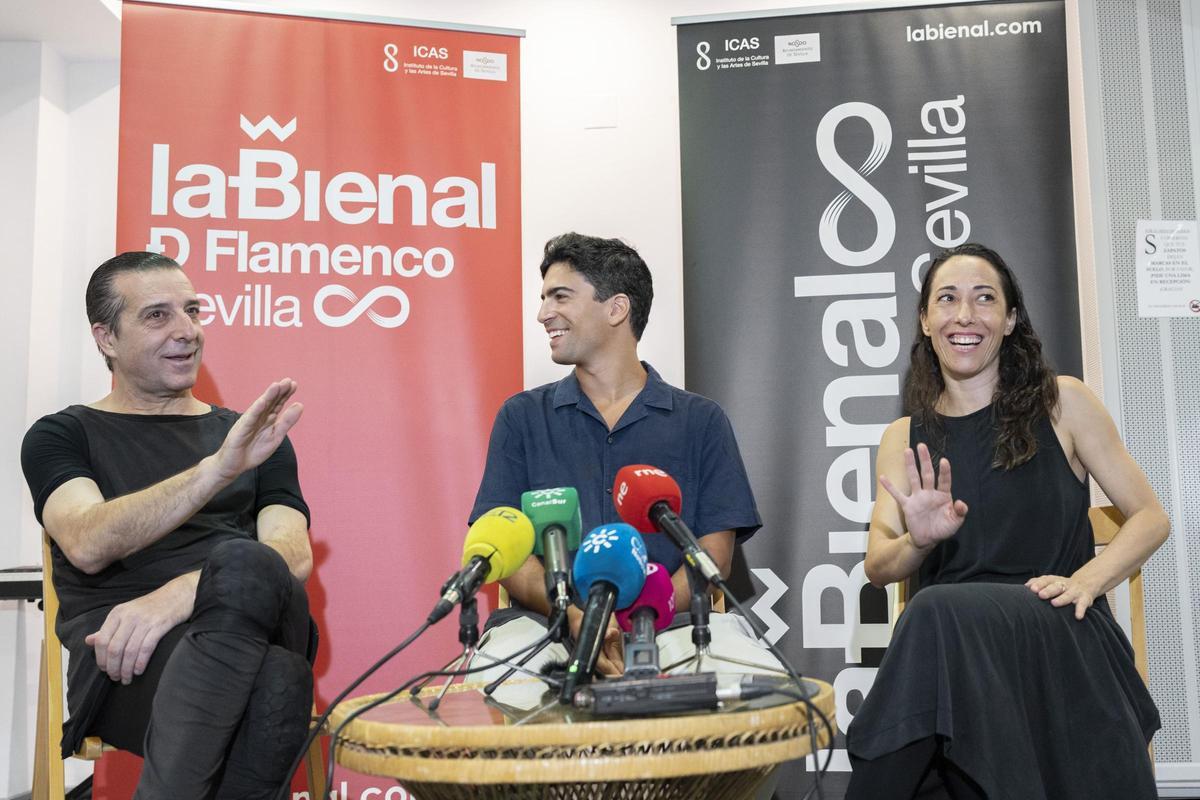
(1027, 390)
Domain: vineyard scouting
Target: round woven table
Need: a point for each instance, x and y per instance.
(472, 748)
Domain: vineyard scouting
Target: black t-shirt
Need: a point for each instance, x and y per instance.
(124, 453)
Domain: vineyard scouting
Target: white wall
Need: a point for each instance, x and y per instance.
(20, 63)
(58, 156)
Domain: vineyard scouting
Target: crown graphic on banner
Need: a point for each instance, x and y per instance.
(267, 123)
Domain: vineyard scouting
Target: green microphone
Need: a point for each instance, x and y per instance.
(557, 529)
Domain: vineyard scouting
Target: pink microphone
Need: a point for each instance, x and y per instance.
(650, 613)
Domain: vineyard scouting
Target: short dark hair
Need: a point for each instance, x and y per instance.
(104, 304)
(611, 267)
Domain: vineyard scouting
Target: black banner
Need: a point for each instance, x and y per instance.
(826, 158)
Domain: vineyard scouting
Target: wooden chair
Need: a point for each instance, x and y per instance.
(48, 781)
(1126, 599)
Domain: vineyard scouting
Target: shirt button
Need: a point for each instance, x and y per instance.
(608, 490)
(610, 440)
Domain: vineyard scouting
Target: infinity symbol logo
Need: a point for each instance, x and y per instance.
(360, 306)
(703, 62)
(856, 184)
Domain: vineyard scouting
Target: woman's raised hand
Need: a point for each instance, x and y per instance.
(930, 512)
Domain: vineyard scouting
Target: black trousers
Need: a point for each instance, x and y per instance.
(225, 700)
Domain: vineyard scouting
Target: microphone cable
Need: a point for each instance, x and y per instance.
(502, 522)
(812, 737)
(809, 707)
(315, 730)
(353, 715)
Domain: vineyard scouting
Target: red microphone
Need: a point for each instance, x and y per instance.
(650, 613)
(637, 488)
(649, 499)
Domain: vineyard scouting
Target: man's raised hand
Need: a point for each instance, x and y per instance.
(260, 430)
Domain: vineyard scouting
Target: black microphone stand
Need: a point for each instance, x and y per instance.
(468, 635)
(702, 634)
(556, 632)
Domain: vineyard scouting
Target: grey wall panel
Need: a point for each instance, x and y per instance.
(1147, 159)
(1176, 184)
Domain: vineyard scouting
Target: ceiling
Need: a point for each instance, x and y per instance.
(78, 30)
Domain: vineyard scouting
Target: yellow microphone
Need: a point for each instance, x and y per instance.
(496, 546)
(504, 538)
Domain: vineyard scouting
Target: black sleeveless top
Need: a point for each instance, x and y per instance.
(1027, 521)
(1017, 690)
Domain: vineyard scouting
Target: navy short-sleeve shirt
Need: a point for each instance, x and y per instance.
(554, 436)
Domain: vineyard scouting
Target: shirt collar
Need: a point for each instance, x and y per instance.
(656, 392)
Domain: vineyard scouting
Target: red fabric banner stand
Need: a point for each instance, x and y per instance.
(346, 198)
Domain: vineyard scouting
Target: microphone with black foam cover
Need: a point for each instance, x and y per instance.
(675, 694)
(557, 528)
(497, 544)
(649, 499)
(650, 613)
(610, 570)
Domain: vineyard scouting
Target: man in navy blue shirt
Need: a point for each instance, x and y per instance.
(612, 410)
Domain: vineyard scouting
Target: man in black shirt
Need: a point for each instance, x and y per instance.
(179, 541)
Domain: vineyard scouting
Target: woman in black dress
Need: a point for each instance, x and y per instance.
(1007, 674)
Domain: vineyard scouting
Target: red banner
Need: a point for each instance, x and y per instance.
(346, 197)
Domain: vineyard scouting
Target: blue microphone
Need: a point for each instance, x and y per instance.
(610, 570)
